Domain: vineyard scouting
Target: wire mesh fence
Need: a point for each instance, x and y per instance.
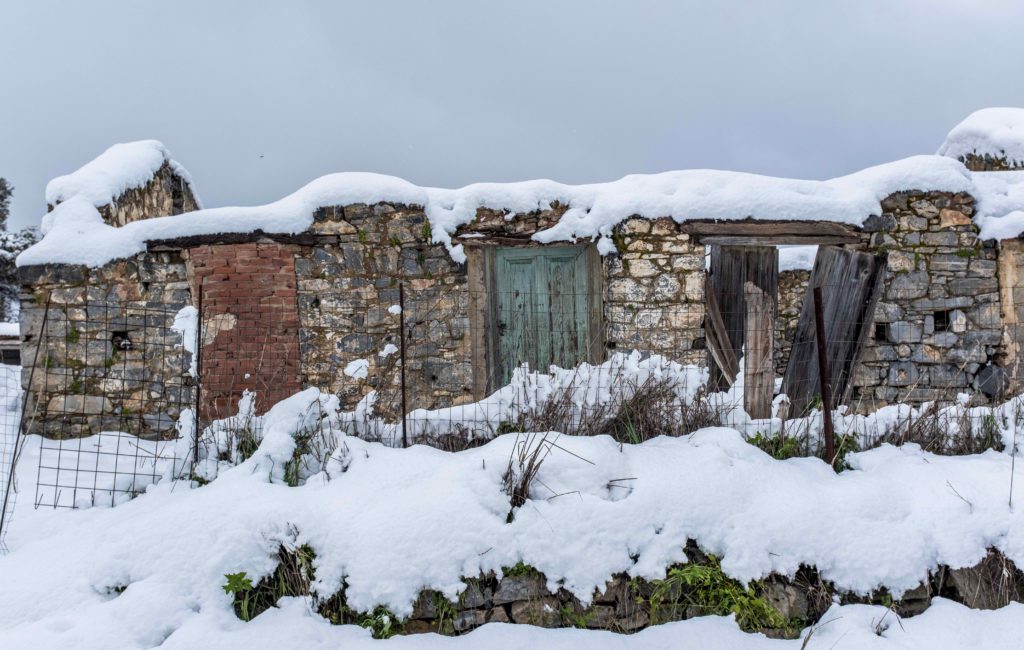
(123, 395)
(10, 412)
(110, 397)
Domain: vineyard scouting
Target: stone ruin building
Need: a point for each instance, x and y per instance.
(920, 302)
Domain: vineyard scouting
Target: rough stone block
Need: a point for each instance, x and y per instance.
(952, 218)
(904, 332)
(542, 612)
(903, 373)
(946, 262)
(526, 587)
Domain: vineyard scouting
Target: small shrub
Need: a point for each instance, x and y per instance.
(520, 570)
(524, 463)
(779, 447)
(292, 577)
(705, 587)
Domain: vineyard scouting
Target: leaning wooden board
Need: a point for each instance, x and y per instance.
(850, 282)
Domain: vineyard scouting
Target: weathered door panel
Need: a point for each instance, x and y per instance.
(731, 268)
(545, 306)
(850, 283)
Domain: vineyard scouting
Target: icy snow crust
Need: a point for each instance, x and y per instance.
(391, 522)
(78, 236)
(998, 132)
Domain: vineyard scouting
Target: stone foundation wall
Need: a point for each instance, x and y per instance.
(110, 360)
(778, 606)
(630, 604)
(938, 329)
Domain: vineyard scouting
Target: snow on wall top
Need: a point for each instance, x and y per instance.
(120, 168)
(1000, 198)
(79, 236)
(998, 132)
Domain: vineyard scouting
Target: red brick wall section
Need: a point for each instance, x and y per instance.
(251, 325)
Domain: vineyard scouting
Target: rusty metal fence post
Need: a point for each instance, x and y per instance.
(826, 378)
(401, 343)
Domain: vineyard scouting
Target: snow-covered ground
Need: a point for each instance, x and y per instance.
(390, 522)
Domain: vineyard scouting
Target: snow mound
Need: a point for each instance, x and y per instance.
(593, 210)
(120, 168)
(998, 132)
(1000, 204)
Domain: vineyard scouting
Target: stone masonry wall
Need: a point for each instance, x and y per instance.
(250, 324)
(653, 282)
(937, 324)
(989, 163)
(792, 291)
(165, 194)
(654, 291)
(110, 360)
(348, 296)
(653, 300)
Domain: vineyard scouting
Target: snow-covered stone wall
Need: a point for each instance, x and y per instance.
(938, 326)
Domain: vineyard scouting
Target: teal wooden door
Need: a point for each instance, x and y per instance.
(547, 308)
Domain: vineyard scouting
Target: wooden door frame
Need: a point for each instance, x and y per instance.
(483, 305)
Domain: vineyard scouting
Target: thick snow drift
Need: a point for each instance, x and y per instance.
(120, 168)
(78, 236)
(1000, 203)
(390, 522)
(998, 132)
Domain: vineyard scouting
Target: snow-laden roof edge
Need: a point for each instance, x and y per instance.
(120, 168)
(79, 236)
(998, 132)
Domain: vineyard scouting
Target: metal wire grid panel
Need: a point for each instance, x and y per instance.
(10, 416)
(115, 395)
(113, 398)
(641, 370)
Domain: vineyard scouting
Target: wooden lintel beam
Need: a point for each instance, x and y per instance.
(303, 239)
(770, 233)
(775, 240)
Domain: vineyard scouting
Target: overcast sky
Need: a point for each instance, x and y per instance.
(258, 98)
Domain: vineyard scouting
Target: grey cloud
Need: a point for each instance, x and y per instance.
(448, 93)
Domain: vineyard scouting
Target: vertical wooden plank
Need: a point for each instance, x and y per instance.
(731, 268)
(479, 324)
(491, 335)
(758, 368)
(560, 302)
(596, 338)
(715, 336)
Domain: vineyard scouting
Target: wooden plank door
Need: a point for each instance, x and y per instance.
(731, 268)
(546, 299)
(850, 283)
